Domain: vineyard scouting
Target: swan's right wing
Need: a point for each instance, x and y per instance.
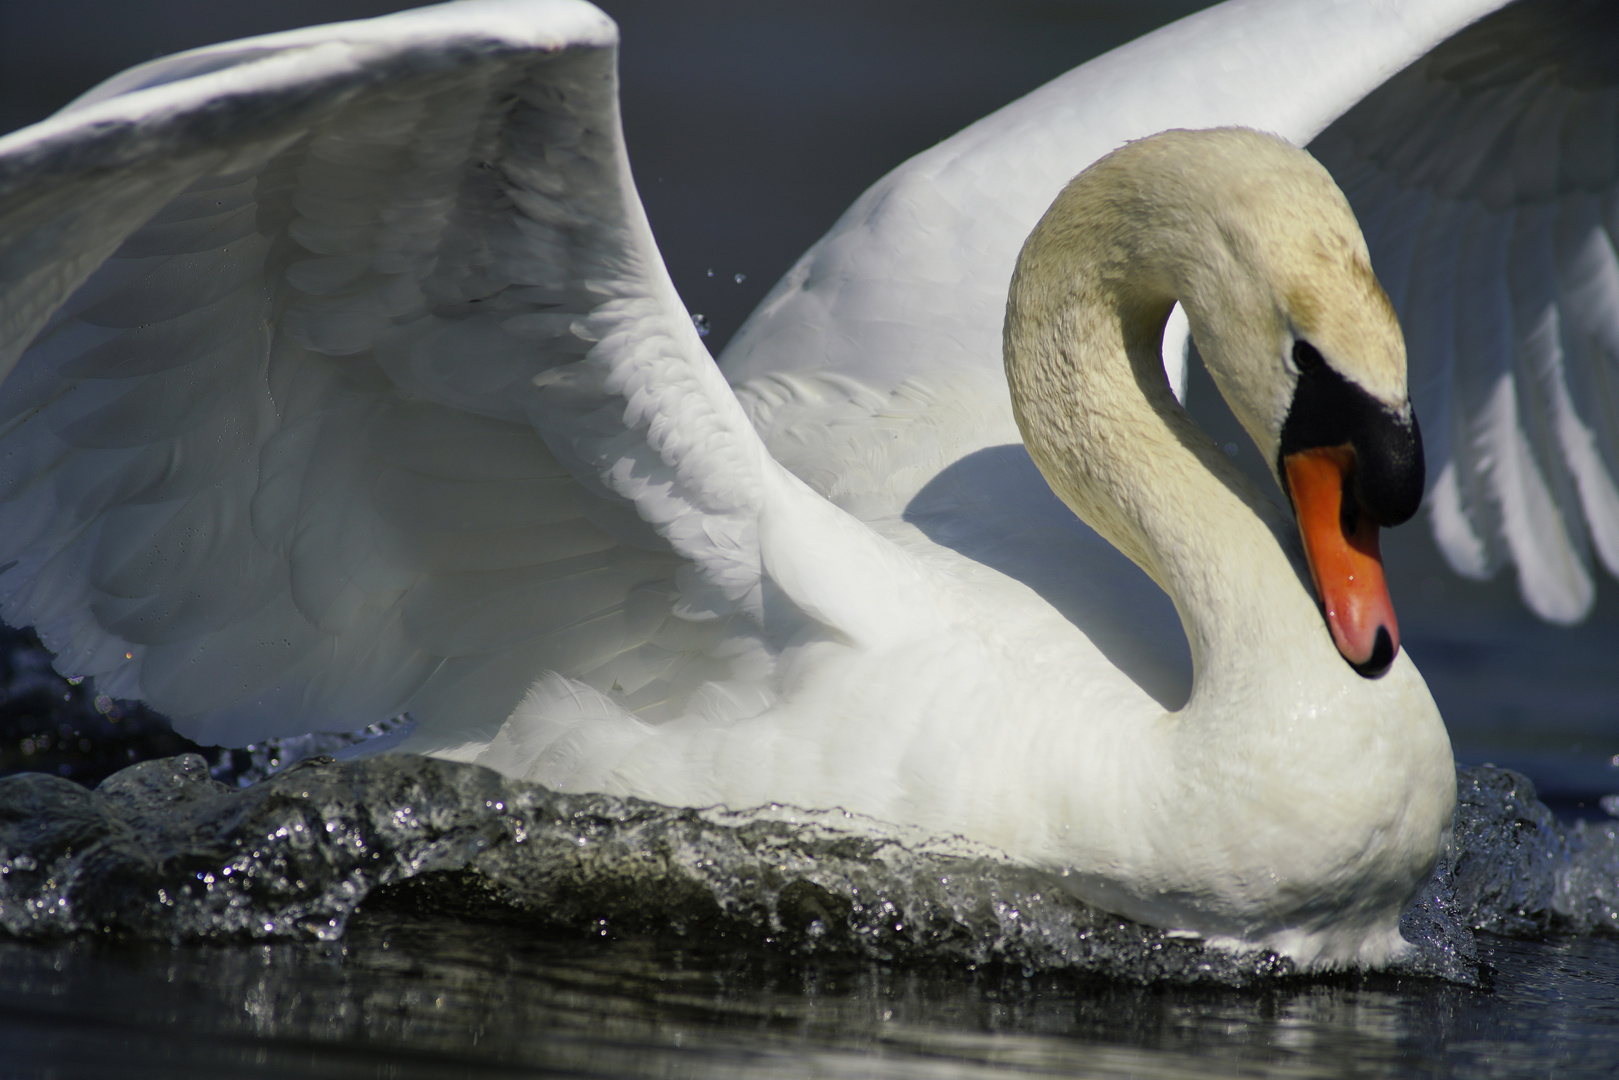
(351, 382)
(1486, 179)
(873, 369)
(876, 361)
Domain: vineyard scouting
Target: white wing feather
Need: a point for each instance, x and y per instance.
(888, 329)
(354, 378)
(286, 434)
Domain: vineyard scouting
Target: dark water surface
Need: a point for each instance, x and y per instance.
(611, 937)
(405, 997)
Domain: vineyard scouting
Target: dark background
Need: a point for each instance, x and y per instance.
(751, 124)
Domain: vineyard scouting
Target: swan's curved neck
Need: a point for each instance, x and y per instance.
(1085, 319)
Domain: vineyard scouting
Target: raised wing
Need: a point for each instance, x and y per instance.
(888, 330)
(296, 310)
(1486, 178)
(873, 369)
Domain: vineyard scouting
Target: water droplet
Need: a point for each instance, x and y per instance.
(740, 278)
(1230, 449)
(701, 322)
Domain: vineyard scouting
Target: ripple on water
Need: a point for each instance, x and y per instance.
(162, 851)
(409, 996)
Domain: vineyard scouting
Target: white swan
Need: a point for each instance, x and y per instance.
(353, 383)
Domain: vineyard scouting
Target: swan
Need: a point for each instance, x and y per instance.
(348, 381)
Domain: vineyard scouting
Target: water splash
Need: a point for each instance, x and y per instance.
(162, 850)
(1519, 871)
(266, 758)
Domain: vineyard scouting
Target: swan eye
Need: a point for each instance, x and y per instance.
(1306, 358)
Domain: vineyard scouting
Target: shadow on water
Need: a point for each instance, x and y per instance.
(403, 996)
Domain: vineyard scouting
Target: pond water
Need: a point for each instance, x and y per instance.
(402, 917)
(401, 996)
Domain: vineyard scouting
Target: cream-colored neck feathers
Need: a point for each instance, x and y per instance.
(1256, 242)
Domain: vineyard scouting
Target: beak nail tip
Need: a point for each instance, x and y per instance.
(1383, 653)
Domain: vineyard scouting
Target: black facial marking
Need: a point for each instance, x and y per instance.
(1329, 410)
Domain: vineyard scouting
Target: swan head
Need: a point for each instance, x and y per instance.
(1306, 347)
(1255, 240)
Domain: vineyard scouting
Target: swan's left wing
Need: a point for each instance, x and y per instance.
(1486, 179)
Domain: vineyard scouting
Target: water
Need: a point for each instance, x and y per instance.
(402, 917)
(405, 997)
(161, 850)
(398, 916)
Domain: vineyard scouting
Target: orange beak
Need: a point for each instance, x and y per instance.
(1344, 560)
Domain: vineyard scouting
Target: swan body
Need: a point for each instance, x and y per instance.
(1191, 819)
(377, 398)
